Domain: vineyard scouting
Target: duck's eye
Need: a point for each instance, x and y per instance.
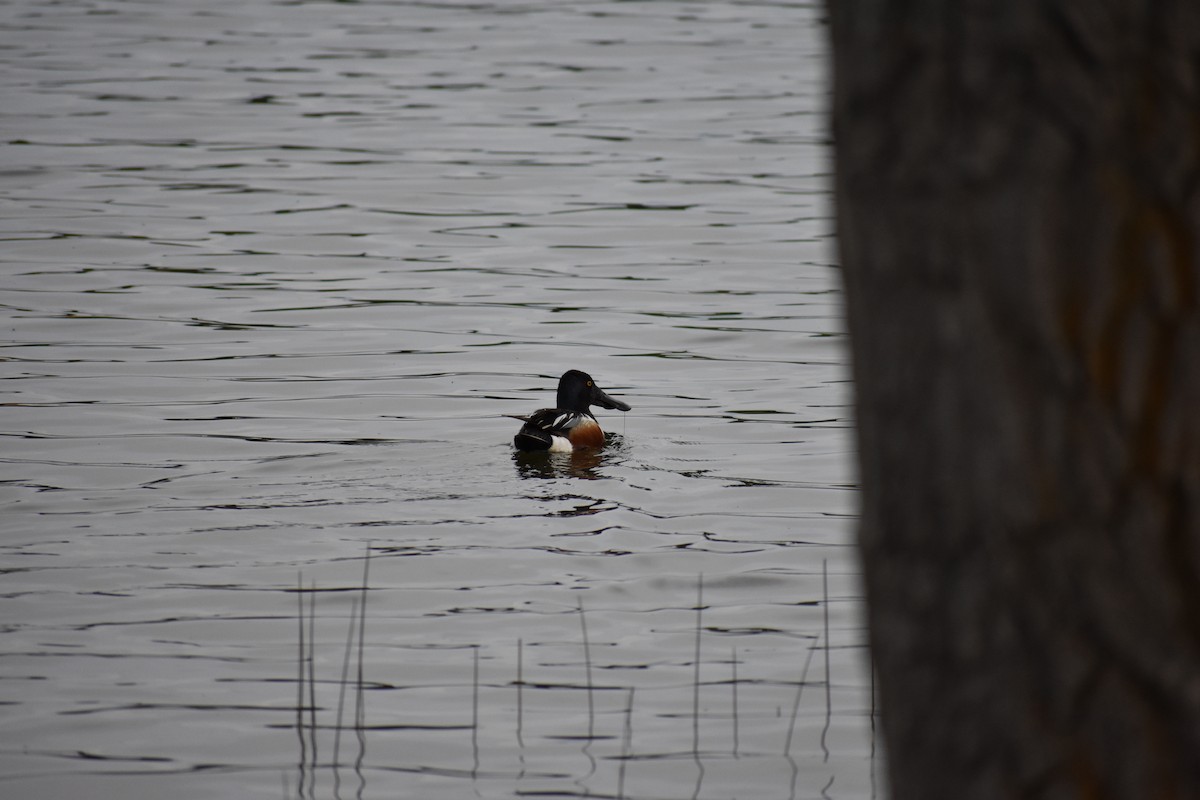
(589, 383)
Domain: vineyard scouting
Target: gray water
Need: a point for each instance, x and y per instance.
(275, 272)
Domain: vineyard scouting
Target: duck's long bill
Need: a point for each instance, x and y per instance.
(599, 398)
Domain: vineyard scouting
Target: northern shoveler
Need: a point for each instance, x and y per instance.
(570, 424)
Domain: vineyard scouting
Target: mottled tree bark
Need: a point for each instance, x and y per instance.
(1019, 225)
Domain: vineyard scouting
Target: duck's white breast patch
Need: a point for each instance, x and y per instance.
(560, 444)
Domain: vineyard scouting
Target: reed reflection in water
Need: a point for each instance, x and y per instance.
(605, 727)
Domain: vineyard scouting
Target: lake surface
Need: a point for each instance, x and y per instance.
(273, 275)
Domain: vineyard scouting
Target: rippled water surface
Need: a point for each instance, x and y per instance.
(273, 275)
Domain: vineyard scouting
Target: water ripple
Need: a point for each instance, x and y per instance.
(274, 275)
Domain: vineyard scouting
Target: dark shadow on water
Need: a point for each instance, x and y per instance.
(585, 463)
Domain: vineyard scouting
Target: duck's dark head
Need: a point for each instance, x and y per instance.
(577, 391)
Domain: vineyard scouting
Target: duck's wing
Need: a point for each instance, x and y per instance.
(543, 425)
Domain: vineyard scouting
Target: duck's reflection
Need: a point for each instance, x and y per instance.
(585, 462)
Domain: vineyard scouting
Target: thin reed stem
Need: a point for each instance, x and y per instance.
(812, 647)
(587, 662)
(475, 705)
(337, 730)
(520, 693)
(734, 683)
(696, 667)
(828, 677)
(300, 667)
(360, 713)
(626, 745)
(312, 679)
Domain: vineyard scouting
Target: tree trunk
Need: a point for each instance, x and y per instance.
(1018, 219)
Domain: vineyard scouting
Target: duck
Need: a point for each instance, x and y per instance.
(570, 424)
